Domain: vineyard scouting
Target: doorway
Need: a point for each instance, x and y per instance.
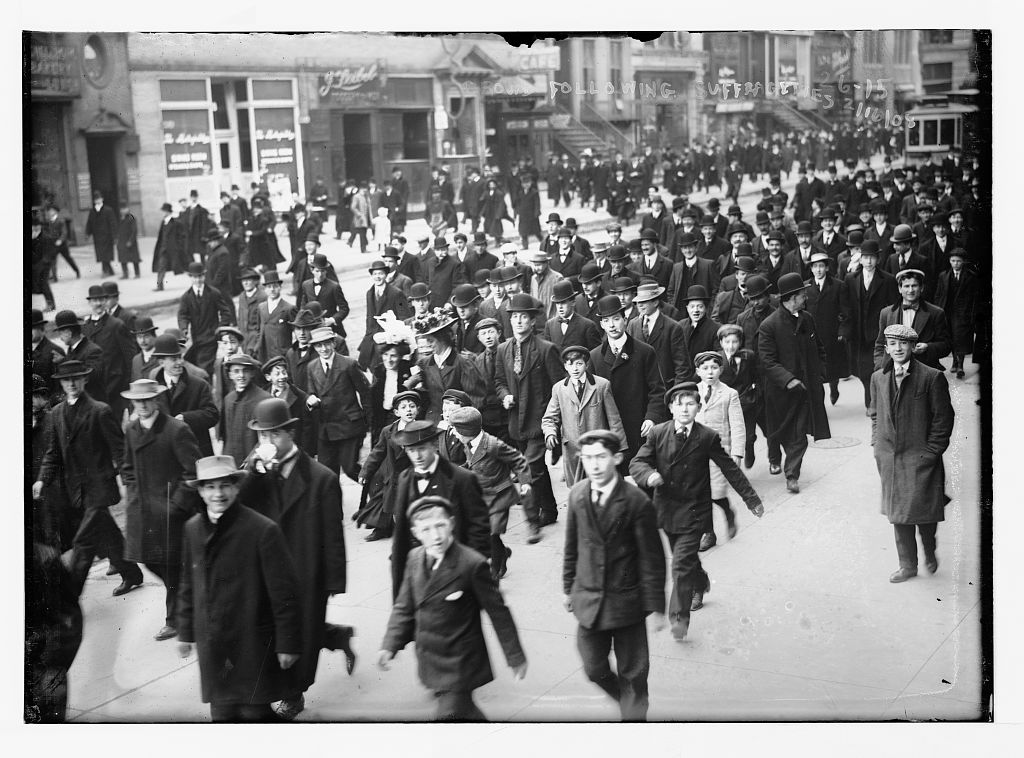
(101, 153)
(358, 147)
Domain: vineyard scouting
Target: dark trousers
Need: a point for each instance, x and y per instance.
(340, 455)
(202, 354)
(688, 576)
(97, 535)
(794, 442)
(360, 233)
(170, 575)
(64, 253)
(906, 543)
(541, 498)
(754, 417)
(862, 365)
(457, 705)
(260, 713)
(628, 684)
(124, 270)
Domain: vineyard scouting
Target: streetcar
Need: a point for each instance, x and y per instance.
(939, 124)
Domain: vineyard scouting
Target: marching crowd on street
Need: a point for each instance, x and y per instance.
(643, 364)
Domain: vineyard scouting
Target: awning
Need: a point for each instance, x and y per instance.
(518, 86)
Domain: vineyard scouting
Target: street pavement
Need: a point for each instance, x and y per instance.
(801, 622)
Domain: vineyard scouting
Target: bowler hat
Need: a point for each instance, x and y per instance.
(877, 205)
(678, 203)
(96, 293)
(215, 467)
(563, 292)
(479, 238)
(212, 234)
(745, 263)
(570, 223)
(419, 291)
(320, 262)
(735, 210)
(555, 217)
(776, 235)
(707, 220)
(939, 219)
(427, 503)
(647, 292)
(790, 283)
(143, 389)
(464, 294)
(649, 234)
(110, 289)
(271, 413)
(601, 436)
(37, 317)
(757, 285)
(804, 227)
(697, 292)
(690, 213)
(416, 432)
(564, 232)
(71, 369)
(196, 269)
(524, 303)
(828, 212)
(466, 421)
(313, 237)
(959, 252)
(390, 251)
(621, 284)
(687, 239)
(590, 272)
(870, 247)
(903, 233)
(166, 208)
(481, 277)
(855, 239)
(166, 345)
(609, 305)
(714, 203)
(675, 389)
(617, 253)
(509, 274)
(901, 332)
(241, 359)
(377, 265)
(633, 245)
(440, 243)
(271, 277)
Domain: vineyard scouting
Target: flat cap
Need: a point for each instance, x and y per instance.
(901, 332)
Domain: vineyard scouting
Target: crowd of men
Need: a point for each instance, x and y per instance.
(646, 365)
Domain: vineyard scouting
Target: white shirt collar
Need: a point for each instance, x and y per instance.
(440, 359)
(432, 467)
(619, 343)
(605, 489)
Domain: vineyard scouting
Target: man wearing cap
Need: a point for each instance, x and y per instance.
(303, 497)
(823, 303)
(700, 331)
(545, 278)
(689, 271)
(632, 368)
(160, 454)
(381, 297)
(911, 425)
(567, 327)
(927, 320)
(68, 329)
(732, 300)
(711, 247)
(653, 327)
(46, 354)
(239, 599)
(863, 295)
(793, 361)
(957, 295)
(444, 273)
(115, 309)
(189, 399)
(274, 315)
(430, 474)
(117, 344)
(675, 461)
(86, 452)
(201, 310)
(239, 404)
(248, 310)
(171, 250)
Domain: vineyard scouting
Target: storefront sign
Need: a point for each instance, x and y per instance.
(53, 67)
(725, 57)
(83, 185)
(832, 60)
(275, 151)
(187, 144)
(540, 59)
(352, 85)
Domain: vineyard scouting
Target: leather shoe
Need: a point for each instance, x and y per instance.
(126, 586)
(903, 575)
(834, 395)
(793, 486)
(748, 459)
(546, 519)
(732, 528)
(679, 629)
(932, 564)
(287, 710)
(698, 601)
(504, 564)
(166, 632)
(774, 469)
(375, 535)
(534, 537)
(707, 541)
(111, 571)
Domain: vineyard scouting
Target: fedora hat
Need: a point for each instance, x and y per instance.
(590, 272)
(647, 292)
(524, 303)
(621, 284)
(271, 277)
(271, 413)
(609, 305)
(818, 256)
(215, 467)
(37, 317)
(71, 369)
(696, 292)
(562, 292)
(416, 432)
(903, 233)
(464, 294)
(211, 234)
(790, 283)
(305, 320)
(828, 212)
(143, 389)
(540, 256)
(757, 285)
(166, 345)
(322, 334)
(419, 291)
(241, 359)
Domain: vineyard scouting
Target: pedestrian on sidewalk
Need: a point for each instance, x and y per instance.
(445, 586)
(911, 425)
(43, 255)
(171, 250)
(56, 226)
(102, 225)
(128, 241)
(613, 574)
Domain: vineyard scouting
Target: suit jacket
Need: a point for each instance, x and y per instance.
(579, 331)
(859, 310)
(235, 415)
(129, 318)
(46, 356)
(569, 268)
(86, 452)
(496, 464)
(331, 297)
(462, 488)
(410, 266)
(703, 273)
(704, 337)
(661, 271)
(249, 320)
(587, 308)
(669, 343)
(443, 277)
(959, 301)
(440, 609)
(833, 249)
(492, 410)
(713, 251)
(118, 346)
(823, 304)
(344, 398)
(541, 368)
(613, 567)
(568, 416)
(884, 239)
(200, 317)
(459, 372)
(729, 304)
(193, 399)
(298, 365)
(684, 499)
(274, 328)
(636, 382)
(931, 327)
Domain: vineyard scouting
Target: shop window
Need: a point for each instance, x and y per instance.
(220, 111)
(244, 139)
(271, 89)
(947, 131)
(415, 136)
(183, 90)
(241, 92)
(225, 155)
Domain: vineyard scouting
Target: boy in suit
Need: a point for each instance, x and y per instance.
(674, 461)
(611, 538)
(446, 585)
(499, 467)
(579, 404)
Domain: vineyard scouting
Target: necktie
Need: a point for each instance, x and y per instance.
(682, 435)
(903, 261)
(735, 363)
(707, 397)
(595, 496)
(327, 368)
(489, 363)
(579, 390)
(517, 356)
(956, 277)
(647, 328)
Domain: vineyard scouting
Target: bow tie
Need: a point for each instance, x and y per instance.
(913, 307)
(563, 320)
(423, 476)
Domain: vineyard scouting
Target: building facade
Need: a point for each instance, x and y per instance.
(666, 71)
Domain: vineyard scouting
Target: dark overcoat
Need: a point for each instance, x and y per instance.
(823, 304)
(910, 431)
(344, 398)
(157, 463)
(379, 416)
(614, 563)
(458, 372)
(579, 331)
(669, 345)
(237, 412)
(307, 505)
(193, 399)
(118, 348)
(239, 602)
(102, 225)
(637, 386)
(128, 239)
(199, 319)
(392, 300)
(274, 329)
(385, 461)
(440, 609)
(541, 368)
(789, 348)
(91, 354)
(959, 301)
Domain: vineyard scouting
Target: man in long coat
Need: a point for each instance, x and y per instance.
(911, 424)
(302, 497)
(823, 303)
(381, 297)
(117, 344)
(793, 364)
(160, 454)
(102, 225)
(189, 399)
(957, 295)
(239, 599)
(239, 406)
(202, 309)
